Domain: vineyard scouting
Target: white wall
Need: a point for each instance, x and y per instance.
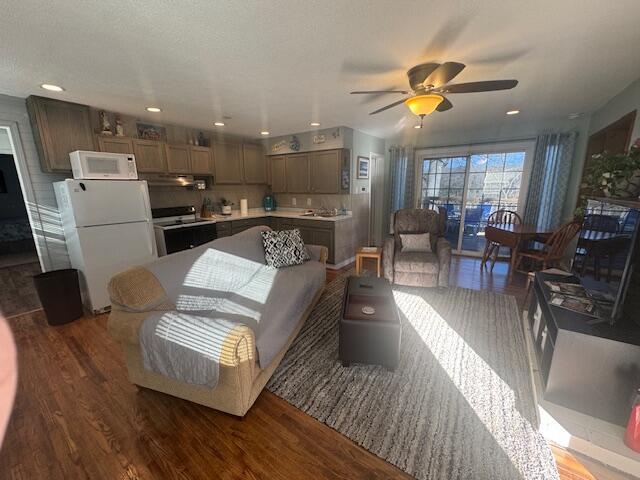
(5, 145)
(509, 129)
(623, 103)
(43, 212)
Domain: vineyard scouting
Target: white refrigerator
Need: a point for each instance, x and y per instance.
(107, 228)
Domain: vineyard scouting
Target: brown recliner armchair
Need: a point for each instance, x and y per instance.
(417, 269)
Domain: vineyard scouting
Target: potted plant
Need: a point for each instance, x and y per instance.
(615, 175)
(226, 206)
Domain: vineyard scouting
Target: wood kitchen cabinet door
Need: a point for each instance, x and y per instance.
(324, 168)
(150, 156)
(201, 160)
(59, 128)
(115, 144)
(255, 164)
(297, 173)
(228, 163)
(278, 174)
(178, 158)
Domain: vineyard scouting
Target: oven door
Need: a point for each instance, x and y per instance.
(184, 238)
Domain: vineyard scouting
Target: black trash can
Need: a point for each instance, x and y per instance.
(59, 292)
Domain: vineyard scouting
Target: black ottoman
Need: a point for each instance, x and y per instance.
(371, 338)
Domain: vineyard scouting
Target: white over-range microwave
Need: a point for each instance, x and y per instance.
(103, 166)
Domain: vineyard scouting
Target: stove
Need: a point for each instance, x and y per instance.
(179, 228)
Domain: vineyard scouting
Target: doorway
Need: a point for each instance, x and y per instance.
(17, 245)
(472, 182)
(19, 259)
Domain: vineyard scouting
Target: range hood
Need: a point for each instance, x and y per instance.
(168, 180)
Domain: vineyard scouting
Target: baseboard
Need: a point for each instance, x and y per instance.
(340, 265)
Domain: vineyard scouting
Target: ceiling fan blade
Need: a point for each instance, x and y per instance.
(444, 74)
(444, 105)
(487, 86)
(387, 107)
(418, 74)
(364, 92)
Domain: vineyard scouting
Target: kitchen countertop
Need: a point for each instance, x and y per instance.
(259, 213)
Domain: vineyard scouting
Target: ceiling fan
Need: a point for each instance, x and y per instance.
(430, 81)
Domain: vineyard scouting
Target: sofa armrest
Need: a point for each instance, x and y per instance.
(388, 251)
(318, 253)
(443, 251)
(136, 290)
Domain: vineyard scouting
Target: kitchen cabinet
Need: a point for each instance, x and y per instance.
(223, 229)
(313, 232)
(278, 174)
(112, 144)
(228, 163)
(59, 128)
(201, 160)
(178, 158)
(238, 226)
(254, 163)
(150, 155)
(324, 169)
(322, 172)
(297, 172)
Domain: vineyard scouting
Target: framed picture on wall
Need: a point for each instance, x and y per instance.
(363, 167)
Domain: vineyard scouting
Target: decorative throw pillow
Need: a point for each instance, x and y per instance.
(416, 242)
(284, 248)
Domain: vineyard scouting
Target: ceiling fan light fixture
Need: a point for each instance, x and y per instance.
(424, 104)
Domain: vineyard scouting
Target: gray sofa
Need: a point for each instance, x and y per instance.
(417, 269)
(227, 279)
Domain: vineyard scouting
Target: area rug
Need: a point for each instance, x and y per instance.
(459, 405)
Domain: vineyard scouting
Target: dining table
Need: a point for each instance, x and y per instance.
(512, 236)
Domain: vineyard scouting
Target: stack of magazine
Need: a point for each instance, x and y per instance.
(575, 297)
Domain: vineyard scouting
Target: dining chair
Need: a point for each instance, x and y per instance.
(504, 217)
(553, 249)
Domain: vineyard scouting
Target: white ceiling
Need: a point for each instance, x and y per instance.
(277, 65)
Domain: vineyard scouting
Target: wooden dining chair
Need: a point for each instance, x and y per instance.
(503, 217)
(553, 249)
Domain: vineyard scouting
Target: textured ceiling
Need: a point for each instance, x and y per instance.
(278, 64)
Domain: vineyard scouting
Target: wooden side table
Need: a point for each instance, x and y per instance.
(369, 252)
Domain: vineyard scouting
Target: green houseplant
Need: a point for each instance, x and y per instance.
(615, 175)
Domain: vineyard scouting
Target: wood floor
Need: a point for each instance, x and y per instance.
(17, 293)
(77, 416)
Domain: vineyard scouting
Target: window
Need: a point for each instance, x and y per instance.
(471, 183)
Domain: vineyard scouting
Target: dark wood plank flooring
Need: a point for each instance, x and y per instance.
(17, 293)
(77, 416)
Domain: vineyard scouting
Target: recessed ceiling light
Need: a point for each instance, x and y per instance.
(417, 126)
(52, 88)
(154, 109)
(315, 124)
(264, 132)
(219, 124)
(513, 112)
(573, 116)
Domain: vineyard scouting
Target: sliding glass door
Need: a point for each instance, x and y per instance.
(471, 183)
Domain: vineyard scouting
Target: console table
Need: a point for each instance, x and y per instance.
(591, 368)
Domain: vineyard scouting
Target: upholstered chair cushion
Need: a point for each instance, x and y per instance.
(416, 242)
(417, 262)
